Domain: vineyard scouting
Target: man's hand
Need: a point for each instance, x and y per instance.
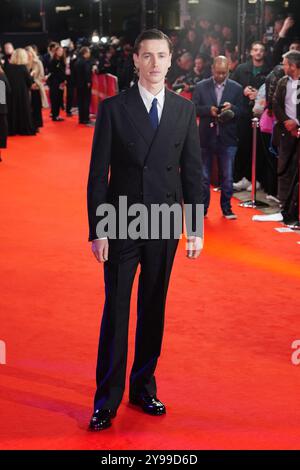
(296, 133)
(226, 106)
(288, 24)
(214, 111)
(186, 87)
(290, 125)
(194, 247)
(100, 250)
(250, 92)
(247, 91)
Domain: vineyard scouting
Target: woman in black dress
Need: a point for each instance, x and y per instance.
(56, 81)
(4, 90)
(19, 108)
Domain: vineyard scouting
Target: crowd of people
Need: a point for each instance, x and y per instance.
(205, 67)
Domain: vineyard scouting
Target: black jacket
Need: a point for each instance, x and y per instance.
(82, 72)
(204, 98)
(56, 69)
(243, 74)
(147, 166)
(279, 110)
(279, 100)
(271, 84)
(245, 77)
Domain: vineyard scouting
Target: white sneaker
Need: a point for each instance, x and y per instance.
(268, 218)
(241, 185)
(269, 197)
(249, 188)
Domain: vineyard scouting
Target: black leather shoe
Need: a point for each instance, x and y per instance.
(149, 404)
(101, 419)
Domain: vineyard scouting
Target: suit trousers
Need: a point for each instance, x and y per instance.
(56, 98)
(155, 258)
(287, 166)
(70, 95)
(84, 101)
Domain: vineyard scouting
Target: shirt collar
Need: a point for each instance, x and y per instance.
(148, 97)
(220, 85)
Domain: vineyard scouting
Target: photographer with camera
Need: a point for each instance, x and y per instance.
(180, 69)
(219, 103)
(200, 71)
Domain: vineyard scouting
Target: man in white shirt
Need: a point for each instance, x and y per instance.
(145, 147)
(286, 107)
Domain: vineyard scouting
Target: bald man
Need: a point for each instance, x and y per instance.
(219, 103)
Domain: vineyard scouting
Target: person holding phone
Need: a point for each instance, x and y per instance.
(219, 103)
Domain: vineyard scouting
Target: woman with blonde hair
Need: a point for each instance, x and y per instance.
(19, 108)
(38, 94)
(19, 57)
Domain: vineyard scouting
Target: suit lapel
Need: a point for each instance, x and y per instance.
(225, 96)
(140, 119)
(138, 114)
(213, 91)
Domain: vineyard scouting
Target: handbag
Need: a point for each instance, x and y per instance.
(267, 122)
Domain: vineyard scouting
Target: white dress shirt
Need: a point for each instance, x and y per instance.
(291, 99)
(147, 98)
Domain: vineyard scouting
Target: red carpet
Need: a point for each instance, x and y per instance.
(225, 373)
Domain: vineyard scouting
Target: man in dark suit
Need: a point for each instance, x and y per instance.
(146, 148)
(83, 81)
(219, 103)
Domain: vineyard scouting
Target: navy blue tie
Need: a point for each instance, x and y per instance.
(153, 114)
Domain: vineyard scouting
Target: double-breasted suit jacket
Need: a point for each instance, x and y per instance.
(130, 159)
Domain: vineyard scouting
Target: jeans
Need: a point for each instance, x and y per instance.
(225, 156)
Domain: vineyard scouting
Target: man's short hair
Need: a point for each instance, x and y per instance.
(257, 43)
(151, 34)
(201, 56)
(84, 50)
(295, 42)
(52, 45)
(293, 57)
(185, 56)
